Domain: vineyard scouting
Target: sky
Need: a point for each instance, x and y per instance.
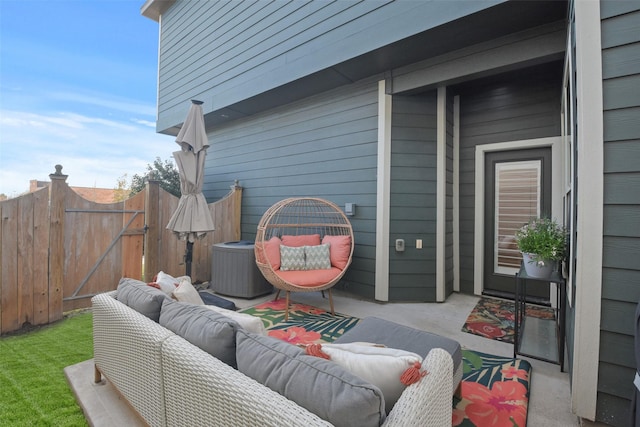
(78, 84)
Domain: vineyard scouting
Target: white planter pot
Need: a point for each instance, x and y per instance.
(539, 270)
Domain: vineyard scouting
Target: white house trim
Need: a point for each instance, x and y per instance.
(456, 193)
(384, 192)
(556, 200)
(589, 228)
(441, 193)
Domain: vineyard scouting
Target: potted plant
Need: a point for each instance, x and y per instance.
(542, 242)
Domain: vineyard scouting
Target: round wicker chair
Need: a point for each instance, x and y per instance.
(303, 216)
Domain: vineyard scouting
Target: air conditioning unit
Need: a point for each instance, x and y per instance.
(234, 271)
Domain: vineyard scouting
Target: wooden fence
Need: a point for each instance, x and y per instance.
(57, 250)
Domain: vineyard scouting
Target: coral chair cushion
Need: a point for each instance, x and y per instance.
(301, 240)
(309, 278)
(339, 251)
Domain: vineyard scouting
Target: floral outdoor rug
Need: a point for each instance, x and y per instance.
(306, 324)
(495, 389)
(494, 318)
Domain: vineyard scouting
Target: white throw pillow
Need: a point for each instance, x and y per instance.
(381, 366)
(185, 292)
(317, 257)
(248, 322)
(292, 258)
(166, 282)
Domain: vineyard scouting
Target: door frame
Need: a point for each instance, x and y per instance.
(557, 192)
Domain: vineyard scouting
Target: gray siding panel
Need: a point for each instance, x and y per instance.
(622, 123)
(239, 45)
(510, 107)
(616, 316)
(622, 188)
(224, 52)
(622, 156)
(611, 8)
(621, 252)
(622, 285)
(324, 146)
(622, 92)
(621, 61)
(621, 221)
(413, 198)
(615, 349)
(622, 387)
(621, 242)
(620, 30)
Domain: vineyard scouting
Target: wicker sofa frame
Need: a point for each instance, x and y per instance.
(171, 382)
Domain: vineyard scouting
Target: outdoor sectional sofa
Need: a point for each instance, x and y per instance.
(169, 381)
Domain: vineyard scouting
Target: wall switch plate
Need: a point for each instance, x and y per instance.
(399, 245)
(418, 243)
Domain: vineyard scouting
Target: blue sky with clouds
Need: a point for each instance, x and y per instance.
(78, 88)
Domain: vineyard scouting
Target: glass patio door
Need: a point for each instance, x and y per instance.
(517, 188)
(517, 200)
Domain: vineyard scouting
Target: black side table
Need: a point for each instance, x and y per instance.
(520, 312)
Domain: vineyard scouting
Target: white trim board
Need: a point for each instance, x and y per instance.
(441, 194)
(556, 191)
(456, 193)
(589, 228)
(383, 194)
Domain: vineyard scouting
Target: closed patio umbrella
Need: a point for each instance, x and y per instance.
(191, 219)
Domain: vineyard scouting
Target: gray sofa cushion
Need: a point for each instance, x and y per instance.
(393, 335)
(204, 328)
(141, 297)
(319, 385)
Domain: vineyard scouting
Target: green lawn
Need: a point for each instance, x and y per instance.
(33, 388)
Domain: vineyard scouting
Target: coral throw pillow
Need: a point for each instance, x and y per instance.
(339, 251)
(302, 240)
(272, 250)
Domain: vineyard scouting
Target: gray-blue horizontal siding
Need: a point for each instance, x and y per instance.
(621, 240)
(223, 52)
(324, 146)
(509, 107)
(412, 273)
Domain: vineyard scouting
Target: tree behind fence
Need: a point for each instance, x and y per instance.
(57, 250)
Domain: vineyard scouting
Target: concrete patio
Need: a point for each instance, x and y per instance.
(550, 393)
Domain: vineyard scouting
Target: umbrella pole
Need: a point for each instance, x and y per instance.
(188, 257)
